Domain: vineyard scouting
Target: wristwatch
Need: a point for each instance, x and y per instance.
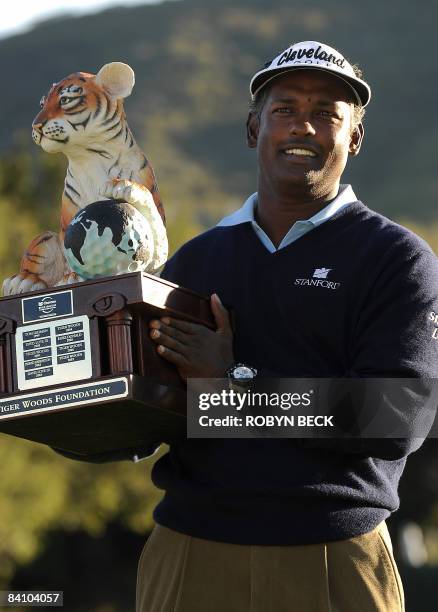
(241, 372)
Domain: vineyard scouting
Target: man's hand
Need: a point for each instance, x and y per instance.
(197, 352)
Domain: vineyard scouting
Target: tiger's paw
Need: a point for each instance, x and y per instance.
(22, 283)
(135, 194)
(69, 279)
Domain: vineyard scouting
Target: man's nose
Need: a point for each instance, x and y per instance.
(302, 126)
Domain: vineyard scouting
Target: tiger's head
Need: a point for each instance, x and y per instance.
(83, 109)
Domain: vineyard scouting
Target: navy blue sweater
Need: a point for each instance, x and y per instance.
(370, 317)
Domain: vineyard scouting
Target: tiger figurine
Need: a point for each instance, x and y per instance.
(82, 116)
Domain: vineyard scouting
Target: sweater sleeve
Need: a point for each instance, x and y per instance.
(395, 337)
(395, 331)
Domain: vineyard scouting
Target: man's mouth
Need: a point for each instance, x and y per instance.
(299, 152)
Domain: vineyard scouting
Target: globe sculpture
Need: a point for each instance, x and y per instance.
(106, 238)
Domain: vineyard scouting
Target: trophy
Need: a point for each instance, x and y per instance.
(78, 370)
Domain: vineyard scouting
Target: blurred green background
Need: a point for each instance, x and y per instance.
(80, 528)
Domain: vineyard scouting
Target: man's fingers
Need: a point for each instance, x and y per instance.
(168, 341)
(221, 315)
(173, 356)
(161, 329)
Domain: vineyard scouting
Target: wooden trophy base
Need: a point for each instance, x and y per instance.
(78, 370)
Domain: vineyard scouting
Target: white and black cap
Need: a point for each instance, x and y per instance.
(311, 55)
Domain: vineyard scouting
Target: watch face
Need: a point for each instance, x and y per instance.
(242, 372)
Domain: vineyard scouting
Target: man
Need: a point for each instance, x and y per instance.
(284, 524)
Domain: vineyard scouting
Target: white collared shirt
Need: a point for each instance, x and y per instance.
(246, 214)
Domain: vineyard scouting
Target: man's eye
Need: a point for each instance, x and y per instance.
(282, 109)
(328, 114)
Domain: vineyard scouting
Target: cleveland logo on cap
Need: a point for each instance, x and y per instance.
(293, 54)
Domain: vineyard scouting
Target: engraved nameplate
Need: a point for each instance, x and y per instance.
(50, 306)
(53, 352)
(64, 397)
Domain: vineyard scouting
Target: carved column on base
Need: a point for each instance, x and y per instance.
(6, 330)
(3, 365)
(119, 341)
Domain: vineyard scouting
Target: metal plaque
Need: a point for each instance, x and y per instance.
(49, 306)
(53, 352)
(63, 397)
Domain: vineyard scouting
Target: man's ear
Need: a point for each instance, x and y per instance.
(252, 130)
(356, 138)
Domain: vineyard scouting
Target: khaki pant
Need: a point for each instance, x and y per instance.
(179, 573)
